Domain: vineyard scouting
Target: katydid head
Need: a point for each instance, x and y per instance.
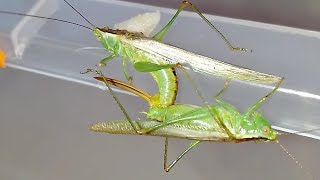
(108, 38)
(257, 127)
(97, 33)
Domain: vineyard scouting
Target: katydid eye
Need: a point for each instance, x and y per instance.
(98, 37)
(265, 129)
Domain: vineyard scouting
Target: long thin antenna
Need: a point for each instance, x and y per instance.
(79, 13)
(42, 17)
(295, 160)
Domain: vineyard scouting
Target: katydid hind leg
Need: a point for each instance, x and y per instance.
(159, 36)
(167, 167)
(258, 103)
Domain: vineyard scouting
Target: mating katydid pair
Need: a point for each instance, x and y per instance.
(134, 42)
(211, 123)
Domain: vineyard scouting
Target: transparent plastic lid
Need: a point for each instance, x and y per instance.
(63, 51)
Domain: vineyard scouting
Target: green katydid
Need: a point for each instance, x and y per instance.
(193, 122)
(144, 52)
(151, 55)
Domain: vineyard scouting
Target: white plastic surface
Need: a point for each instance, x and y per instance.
(291, 53)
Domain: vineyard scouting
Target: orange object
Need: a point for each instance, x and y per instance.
(2, 59)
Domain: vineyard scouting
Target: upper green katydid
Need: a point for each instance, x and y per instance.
(144, 51)
(151, 55)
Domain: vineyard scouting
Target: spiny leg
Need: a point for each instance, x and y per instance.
(115, 98)
(159, 36)
(166, 167)
(258, 103)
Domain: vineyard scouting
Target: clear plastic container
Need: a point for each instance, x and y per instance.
(63, 51)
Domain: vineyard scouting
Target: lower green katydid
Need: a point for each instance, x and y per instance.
(192, 122)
